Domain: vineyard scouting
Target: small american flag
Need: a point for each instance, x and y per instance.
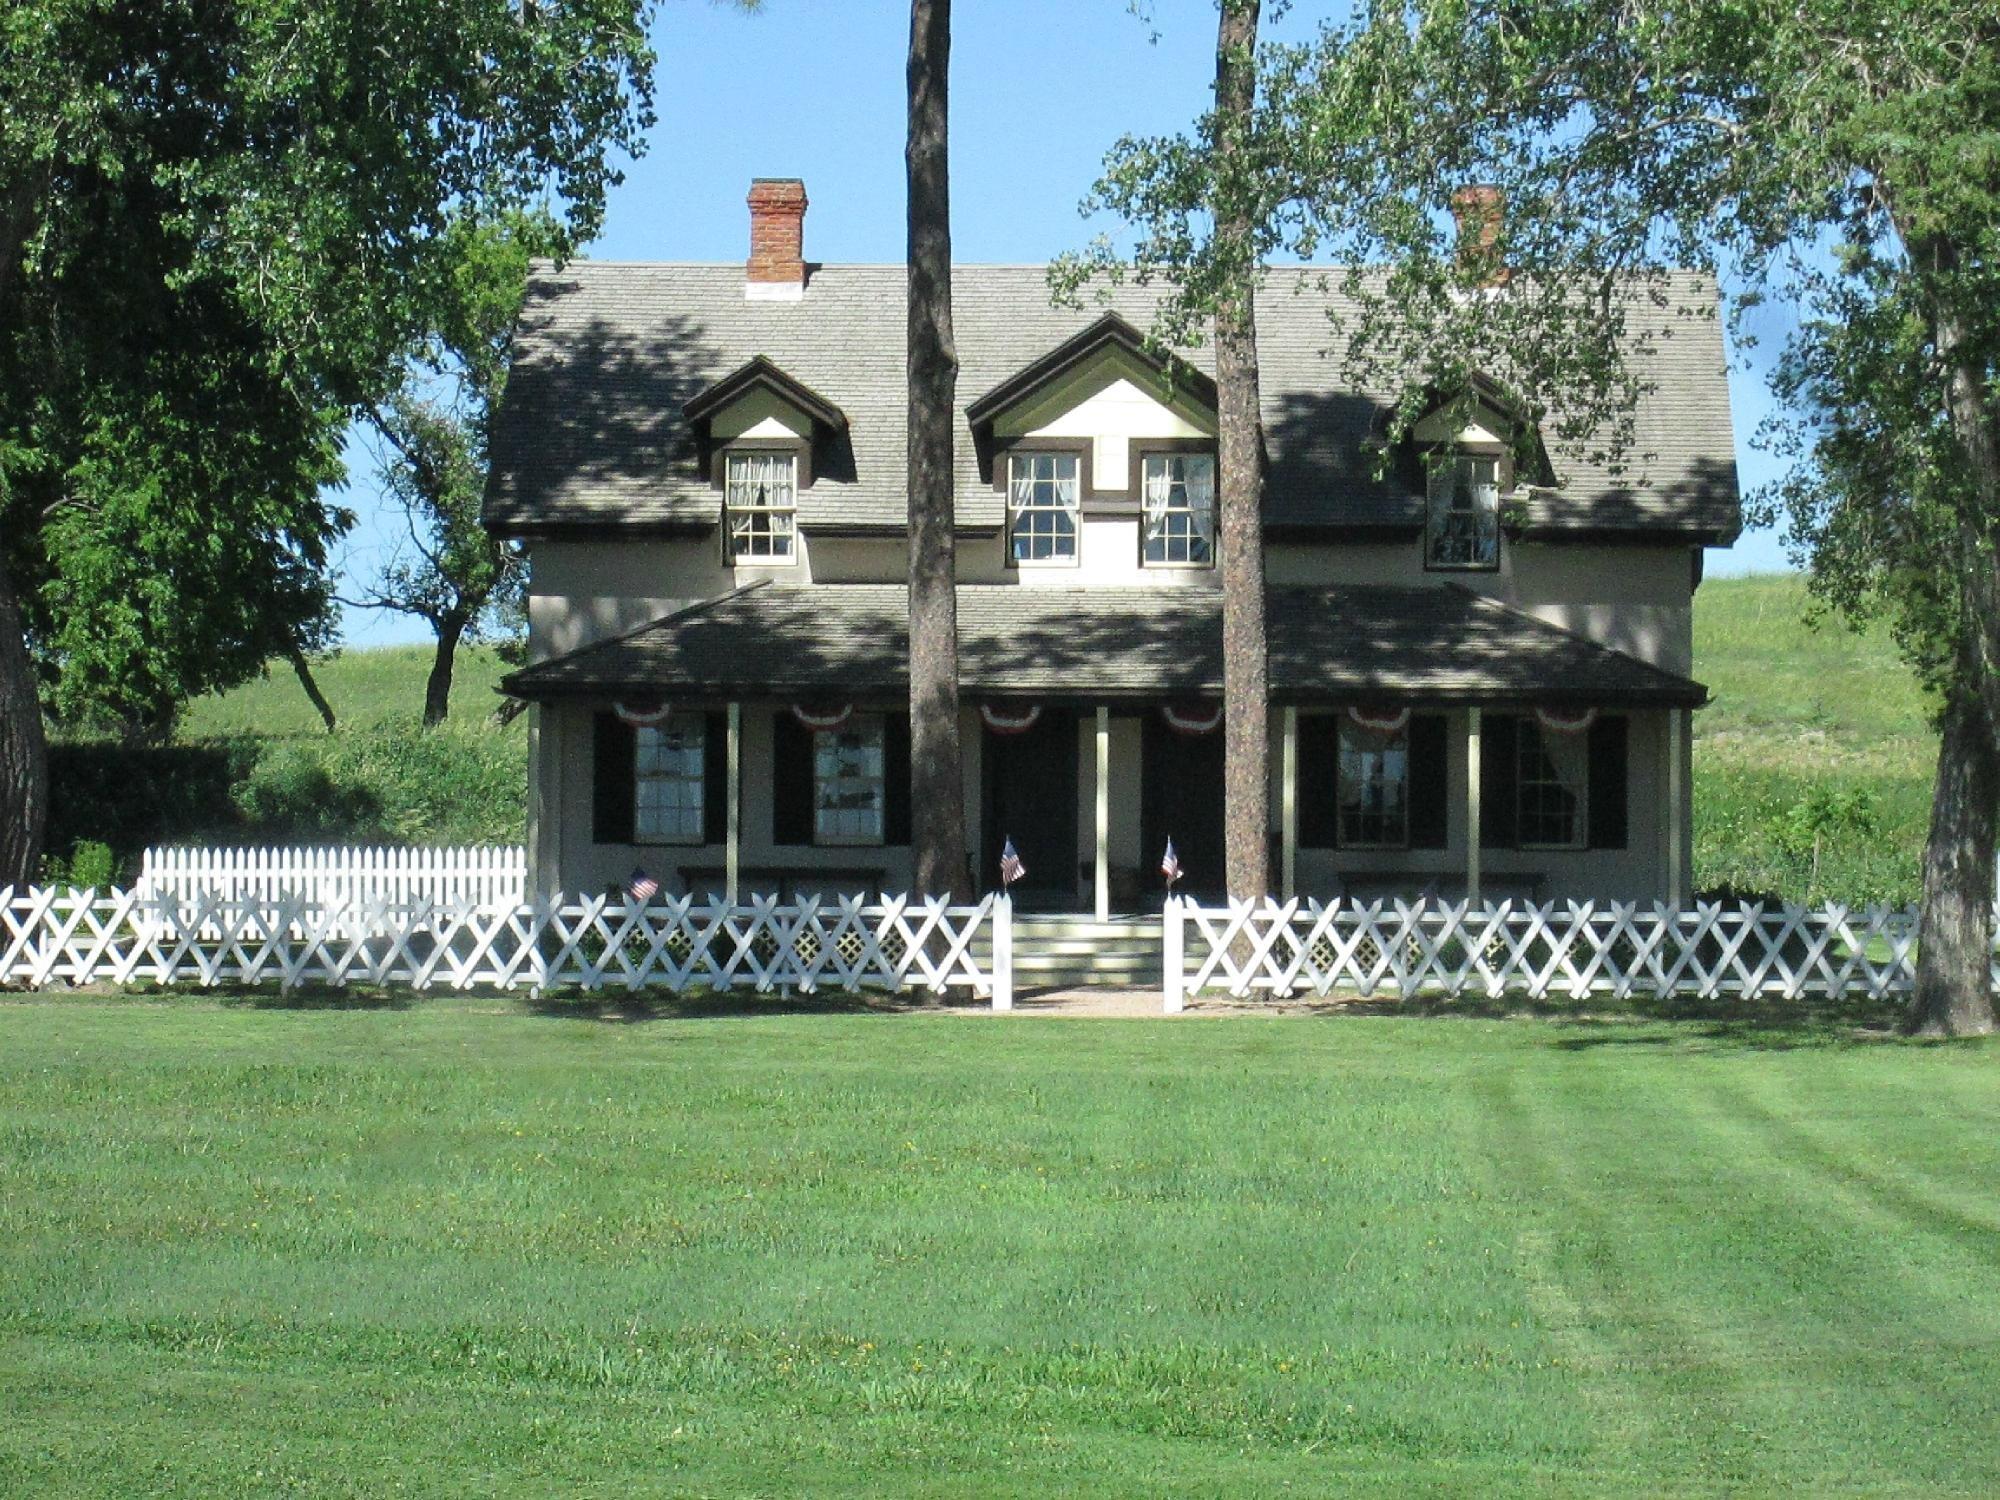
(642, 887)
(1170, 866)
(1011, 868)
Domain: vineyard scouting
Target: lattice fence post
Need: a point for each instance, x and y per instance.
(1174, 941)
(1003, 952)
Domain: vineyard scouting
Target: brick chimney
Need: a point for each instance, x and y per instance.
(777, 266)
(1481, 211)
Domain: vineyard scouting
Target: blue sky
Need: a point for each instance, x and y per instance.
(814, 89)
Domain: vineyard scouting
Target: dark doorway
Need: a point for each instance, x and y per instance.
(1030, 797)
(1180, 797)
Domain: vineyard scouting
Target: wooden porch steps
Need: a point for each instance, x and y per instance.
(1071, 952)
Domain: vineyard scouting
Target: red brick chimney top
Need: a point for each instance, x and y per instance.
(1481, 211)
(777, 232)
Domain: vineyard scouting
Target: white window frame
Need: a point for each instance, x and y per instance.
(1044, 497)
(1171, 516)
(768, 536)
(865, 822)
(1462, 511)
(669, 801)
(1364, 763)
(1529, 752)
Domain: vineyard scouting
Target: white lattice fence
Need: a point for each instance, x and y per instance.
(55, 936)
(1556, 950)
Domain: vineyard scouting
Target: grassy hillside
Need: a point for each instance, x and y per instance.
(1812, 730)
(1808, 725)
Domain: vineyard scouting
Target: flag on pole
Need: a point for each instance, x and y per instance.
(1011, 868)
(1171, 865)
(642, 887)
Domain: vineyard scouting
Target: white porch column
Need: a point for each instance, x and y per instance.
(1676, 798)
(1288, 813)
(1472, 738)
(732, 856)
(1103, 871)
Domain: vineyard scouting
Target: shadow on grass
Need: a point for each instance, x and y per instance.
(313, 997)
(1584, 1025)
(660, 1005)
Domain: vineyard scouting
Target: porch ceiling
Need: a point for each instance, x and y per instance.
(1340, 644)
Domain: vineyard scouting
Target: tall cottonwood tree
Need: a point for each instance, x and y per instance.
(1202, 210)
(1246, 687)
(937, 773)
(1837, 153)
(220, 228)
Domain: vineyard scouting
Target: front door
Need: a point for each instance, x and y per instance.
(1180, 797)
(1030, 797)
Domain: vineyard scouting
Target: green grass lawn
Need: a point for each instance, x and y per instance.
(465, 1248)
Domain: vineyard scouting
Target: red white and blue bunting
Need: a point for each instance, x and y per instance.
(827, 716)
(1192, 718)
(643, 716)
(1381, 720)
(1007, 718)
(1566, 721)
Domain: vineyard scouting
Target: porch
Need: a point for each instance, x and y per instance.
(1423, 741)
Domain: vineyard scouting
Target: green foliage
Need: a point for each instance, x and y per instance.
(825, 1254)
(91, 866)
(222, 227)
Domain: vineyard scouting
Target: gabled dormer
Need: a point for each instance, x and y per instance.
(757, 433)
(1479, 446)
(1102, 428)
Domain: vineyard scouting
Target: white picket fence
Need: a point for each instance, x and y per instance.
(1558, 950)
(489, 874)
(55, 936)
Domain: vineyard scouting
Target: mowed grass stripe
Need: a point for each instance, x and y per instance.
(1763, 1256)
(463, 1247)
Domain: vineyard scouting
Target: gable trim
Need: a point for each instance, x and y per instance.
(760, 372)
(1109, 331)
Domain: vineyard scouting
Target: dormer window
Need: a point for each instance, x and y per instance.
(1042, 500)
(761, 503)
(1179, 509)
(1464, 513)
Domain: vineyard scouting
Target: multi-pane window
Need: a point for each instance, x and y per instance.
(1180, 508)
(1464, 528)
(668, 782)
(1374, 787)
(1551, 778)
(848, 786)
(762, 503)
(1041, 507)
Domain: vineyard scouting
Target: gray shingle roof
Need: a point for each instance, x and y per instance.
(1328, 644)
(591, 432)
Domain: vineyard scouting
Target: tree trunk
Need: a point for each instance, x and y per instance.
(437, 687)
(1246, 691)
(303, 670)
(24, 751)
(937, 772)
(1953, 993)
(1953, 985)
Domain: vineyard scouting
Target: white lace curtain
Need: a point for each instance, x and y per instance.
(1198, 485)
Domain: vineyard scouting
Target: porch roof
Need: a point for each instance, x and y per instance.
(1332, 644)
